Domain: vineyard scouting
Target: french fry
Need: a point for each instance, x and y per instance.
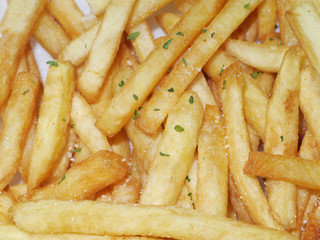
(184, 5)
(101, 54)
(167, 21)
(313, 200)
(16, 122)
(261, 56)
(191, 179)
(17, 190)
(49, 34)
(80, 155)
(267, 16)
(247, 187)
(69, 16)
(53, 120)
(15, 29)
(249, 27)
(120, 144)
(86, 178)
(98, 6)
(190, 65)
(303, 19)
(265, 81)
(123, 105)
(6, 202)
(120, 219)
(175, 151)
(311, 230)
(212, 179)
(83, 120)
(184, 200)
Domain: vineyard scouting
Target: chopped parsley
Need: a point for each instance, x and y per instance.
(164, 154)
(85, 45)
(52, 63)
(188, 179)
(135, 97)
(255, 74)
(204, 30)
(136, 114)
(76, 150)
(276, 26)
(189, 194)
(26, 91)
(179, 34)
(72, 125)
(169, 69)
(271, 39)
(121, 83)
(32, 81)
(133, 36)
(246, 6)
(63, 178)
(184, 61)
(191, 100)
(281, 137)
(156, 109)
(170, 90)
(212, 34)
(221, 70)
(166, 44)
(178, 128)
(224, 84)
(63, 119)
(140, 108)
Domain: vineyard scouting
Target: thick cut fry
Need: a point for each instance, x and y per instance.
(267, 16)
(212, 172)
(67, 13)
(184, 200)
(261, 56)
(53, 120)
(167, 21)
(86, 178)
(304, 18)
(50, 35)
(15, 29)
(83, 120)
(104, 48)
(98, 6)
(119, 219)
(175, 151)
(311, 231)
(299, 171)
(184, 5)
(247, 187)
(120, 144)
(17, 190)
(249, 27)
(123, 105)
(282, 134)
(16, 122)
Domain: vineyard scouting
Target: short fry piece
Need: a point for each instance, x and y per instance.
(267, 16)
(53, 120)
(98, 6)
(16, 122)
(311, 231)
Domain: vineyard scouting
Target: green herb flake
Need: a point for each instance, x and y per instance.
(281, 137)
(169, 69)
(189, 194)
(121, 83)
(204, 30)
(178, 128)
(170, 90)
(280, 43)
(72, 125)
(32, 81)
(276, 26)
(156, 109)
(221, 70)
(271, 39)
(191, 100)
(133, 36)
(164, 154)
(26, 91)
(140, 108)
(85, 45)
(224, 84)
(184, 61)
(136, 114)
(52, 63)
(255, 74)
(63, 178)
(188, 179)
(212, 34)
(246, 6)
(63, 119)
(135, 97)
(166, 44)
(179, 34)
(76, 150)
(264, 179)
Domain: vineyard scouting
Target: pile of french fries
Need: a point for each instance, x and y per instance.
(210, 132)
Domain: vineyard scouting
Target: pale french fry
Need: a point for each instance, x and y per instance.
(18, 190)
(6, 202)
(120, 144)
(98, 6)
(83, 120)
(184, 5)
(16, 122)
(190, 65)
(267, 16)
(53, 120)
(261, 56)
(175, 151)
(49, 34)
(247, 187)
(288, 38)
(15, 29)
(184, 200)
(123, 105)
(167, 21)
(282, 134)
(299, 171)
(254, 139)
(69, 16)
(309, 96)
(215, 92)
(304, 18)
(101, 54)
(212, 172)
(265, 81)
(191, 179)
(311, 230)
(86, 178)
(5, 219)
(231, 212)
(32, 65)
(121, 219)
(140, 168)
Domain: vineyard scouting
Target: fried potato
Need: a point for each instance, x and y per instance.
(261, 56)
(184, 5)
(15, 29)
(184, 200)
(119, 219)
(16, 122)
(141, 84)
(249, 27)
(267, 16)
(6, 202)
(247, 187)
(98, 6)
(120, 144)
(17, 190)
(167, 21)
(53, 120)
(84, 179)
(212, 172)
(104, 48)
(80, 155)
(175, 151)
(312, 228)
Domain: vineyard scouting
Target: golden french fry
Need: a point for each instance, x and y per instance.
(304, 18)
(49, 34)
(184, 200)
(212, 172)
(175, 151)
(311, 230)
(184, 5)
(18, 190)
(6, 202)
(314, 197)
(53, 120)
(249, 27)
(265, 81)
(32, 65)
(80, 155)
(120, 144)
(98, 6)
(67, 13)
(15, 29)
(267, 16)
(261, 56)
(101, 54)
(167, 21)
(16, 122)
(141, 84)
(248, 187)
(84, 179)
(122, 219)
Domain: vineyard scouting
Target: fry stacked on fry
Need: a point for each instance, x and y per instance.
(210, 132)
